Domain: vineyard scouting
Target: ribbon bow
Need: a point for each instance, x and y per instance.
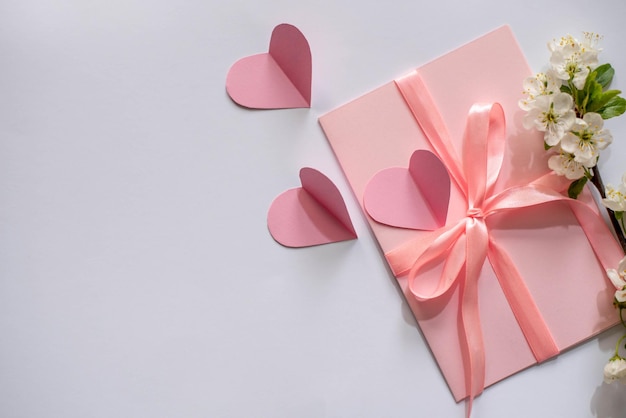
(464, 246)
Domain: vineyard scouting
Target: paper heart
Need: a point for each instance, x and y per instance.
(414, 198)
(280, 78)
(310, 215)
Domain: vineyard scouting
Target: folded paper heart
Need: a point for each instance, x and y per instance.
(310, 215)
(416, 197)
(278, 79)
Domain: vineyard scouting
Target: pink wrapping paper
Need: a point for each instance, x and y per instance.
(546, 243)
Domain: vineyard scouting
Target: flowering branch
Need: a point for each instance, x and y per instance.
(569, 103)
(615, 369)
(616, 214)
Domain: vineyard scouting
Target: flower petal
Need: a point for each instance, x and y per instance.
(615, 278)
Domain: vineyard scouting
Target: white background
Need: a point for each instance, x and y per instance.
(137, 275)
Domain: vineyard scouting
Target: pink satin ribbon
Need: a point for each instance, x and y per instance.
(464, 246)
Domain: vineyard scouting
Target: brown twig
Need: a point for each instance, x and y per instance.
(597, 181)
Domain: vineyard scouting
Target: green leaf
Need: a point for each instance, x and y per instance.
(576, 187)
(615, 107)
(546, 146)
(594, 93)
(566, 89)
(602, 100)
(604, 74)
(619, 215)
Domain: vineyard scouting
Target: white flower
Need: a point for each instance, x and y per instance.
(552, 114)
(590, 42)
(617, 278)
(542, 84)
(586, 139)
(616, 197)
(572, 60)
(564, 164)
(614, 370)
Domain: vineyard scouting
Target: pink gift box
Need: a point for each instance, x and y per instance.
(546, 243)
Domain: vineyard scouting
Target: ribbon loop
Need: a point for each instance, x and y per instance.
(445, 248)
(483, 124)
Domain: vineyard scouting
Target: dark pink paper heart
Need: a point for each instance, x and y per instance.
(416, 197)
(310, 215)
(278, 79)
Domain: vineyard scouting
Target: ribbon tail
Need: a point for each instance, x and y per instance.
(472, 343)
(476, 253)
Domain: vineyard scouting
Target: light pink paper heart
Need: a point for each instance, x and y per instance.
(414, 198)
(278, 79)
(310, 215)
